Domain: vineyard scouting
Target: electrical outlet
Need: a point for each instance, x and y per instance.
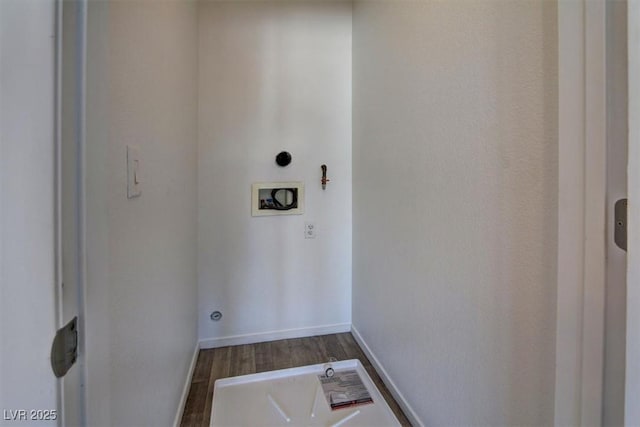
(309, 230)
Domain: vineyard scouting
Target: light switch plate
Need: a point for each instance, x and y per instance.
(133, 172)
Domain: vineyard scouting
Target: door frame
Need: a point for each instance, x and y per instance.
(79, 394)
(632, 368)
(581, 212)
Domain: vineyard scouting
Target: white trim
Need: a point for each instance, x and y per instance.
(274, 335)
(581, 212)
(595, 164)
(382, 373)
(81, 189)
(58, 193)
(632, 372)
(570, 211)
(186, 387)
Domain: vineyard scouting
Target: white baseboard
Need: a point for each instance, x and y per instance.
(274, 335)
(406, 408)
(187, 387)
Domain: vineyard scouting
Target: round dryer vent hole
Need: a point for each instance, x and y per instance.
(216, 315)
(283, 158)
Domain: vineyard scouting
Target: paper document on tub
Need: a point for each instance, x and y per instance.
(344, 389)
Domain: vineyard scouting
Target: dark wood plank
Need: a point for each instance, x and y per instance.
(203, 366)
(224, 362)
(220, 368)
(263, 358)
(243, 360)
(194, 407)
(306, 351)
(352, 349)
(333, 348)
(320, 353)
(281, 355)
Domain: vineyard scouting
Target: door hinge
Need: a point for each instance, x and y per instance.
(64, 350)
(620, 227)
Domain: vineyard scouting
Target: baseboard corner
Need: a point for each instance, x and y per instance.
(274, 335)
(384, 376)
(187, 386)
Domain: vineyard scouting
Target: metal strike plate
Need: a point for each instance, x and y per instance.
(620, 227)
(64, 350)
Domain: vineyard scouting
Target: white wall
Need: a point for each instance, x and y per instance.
(141, 252)
(273, 76)
(27, 273)
(455, 205)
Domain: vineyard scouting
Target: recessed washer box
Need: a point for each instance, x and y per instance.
(277, 198)
(294, 397)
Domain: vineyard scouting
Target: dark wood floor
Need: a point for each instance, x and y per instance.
(225, 362)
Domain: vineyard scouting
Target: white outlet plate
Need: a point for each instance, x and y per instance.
(309, 230)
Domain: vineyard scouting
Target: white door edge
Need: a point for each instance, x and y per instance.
(581, 213)
(632, 371)
(75, 391)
